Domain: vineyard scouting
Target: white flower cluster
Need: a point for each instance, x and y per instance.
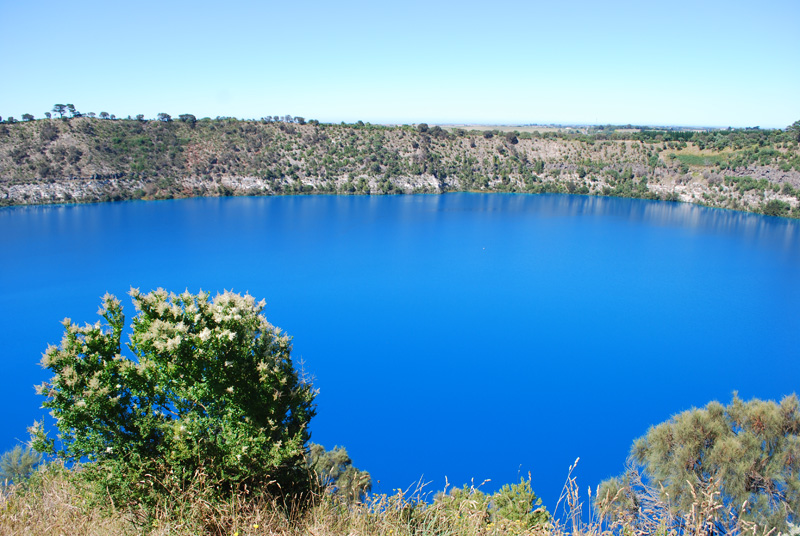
(205, 334)
(168, 322)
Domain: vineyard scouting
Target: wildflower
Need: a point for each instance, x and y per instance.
(205, 334)
(69, 376)
(109, 450)
(94, 383)
(173, 344)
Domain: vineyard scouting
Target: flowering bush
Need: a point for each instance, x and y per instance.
(208, 396)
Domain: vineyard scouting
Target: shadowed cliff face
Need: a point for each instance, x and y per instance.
(90, 160)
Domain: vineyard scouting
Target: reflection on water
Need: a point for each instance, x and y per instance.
(777, 232)
(744, 226)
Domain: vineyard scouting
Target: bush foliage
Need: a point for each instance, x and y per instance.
(209, 395)
(17, 464)
(513, 509)
(336, 474)
(745, 457)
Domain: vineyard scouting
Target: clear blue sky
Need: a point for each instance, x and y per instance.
(684, 62)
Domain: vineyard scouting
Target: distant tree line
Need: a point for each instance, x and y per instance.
(603, 132)
(66, 111)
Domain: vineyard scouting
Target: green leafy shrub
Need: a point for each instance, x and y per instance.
(209, 400)
(517, 503)
(777, 208)
(513, 509)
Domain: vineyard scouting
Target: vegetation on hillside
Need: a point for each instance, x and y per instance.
(82, 158)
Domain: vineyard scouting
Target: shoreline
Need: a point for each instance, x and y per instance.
(111, 198)
(84, 160)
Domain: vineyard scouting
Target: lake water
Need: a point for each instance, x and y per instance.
(465, 336)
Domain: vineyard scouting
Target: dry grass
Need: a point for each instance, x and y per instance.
(53, 504)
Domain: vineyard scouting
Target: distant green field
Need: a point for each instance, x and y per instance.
(701, 159)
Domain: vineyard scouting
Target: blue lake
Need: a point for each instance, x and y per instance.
(465, 336)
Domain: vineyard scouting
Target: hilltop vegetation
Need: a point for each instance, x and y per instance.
(88, 159)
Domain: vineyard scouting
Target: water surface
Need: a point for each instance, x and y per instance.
(464, 336)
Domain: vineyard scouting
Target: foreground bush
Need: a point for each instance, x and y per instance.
(209, 403)
(720, 469)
